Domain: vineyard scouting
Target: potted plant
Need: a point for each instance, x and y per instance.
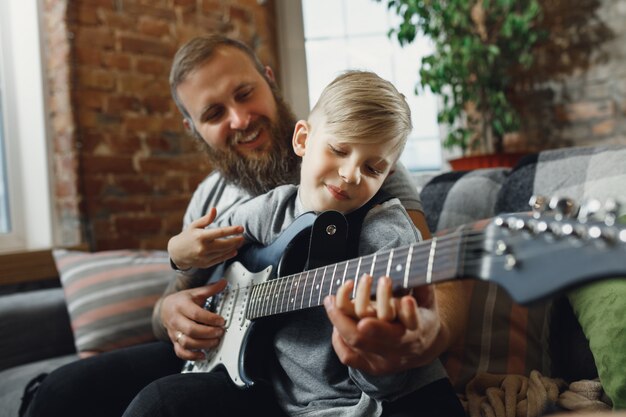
(479, 46)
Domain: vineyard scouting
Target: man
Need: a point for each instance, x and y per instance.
(230, 102)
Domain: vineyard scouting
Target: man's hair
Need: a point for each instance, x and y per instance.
(361, 107)
(199, 50)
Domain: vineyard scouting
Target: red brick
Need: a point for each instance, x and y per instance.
(154, 27)
(119, 104)
(153, 66)
(134, 185)
(129, 225)
(583, 111)
(604, 128)
(158, 104)
(96, 79)
(117, 60)
(93, 37)
(146, 46)
(107, 164)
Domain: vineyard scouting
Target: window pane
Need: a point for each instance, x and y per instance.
(352, 34)
(363, 17)
(323, 18)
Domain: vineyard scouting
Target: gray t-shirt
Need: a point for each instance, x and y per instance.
(307, 376)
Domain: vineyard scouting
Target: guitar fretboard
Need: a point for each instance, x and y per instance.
(408, 267)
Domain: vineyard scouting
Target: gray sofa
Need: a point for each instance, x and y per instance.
(36, 334)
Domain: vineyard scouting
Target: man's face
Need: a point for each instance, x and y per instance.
(245, 126)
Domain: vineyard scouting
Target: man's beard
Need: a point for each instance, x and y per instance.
(268, 169)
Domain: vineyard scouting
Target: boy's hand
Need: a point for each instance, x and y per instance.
(198, 247)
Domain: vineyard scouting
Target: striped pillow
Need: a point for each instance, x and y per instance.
(110, 295)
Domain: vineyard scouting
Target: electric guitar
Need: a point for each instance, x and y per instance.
(531, 255)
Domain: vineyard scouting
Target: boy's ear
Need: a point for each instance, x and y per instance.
(187, 123)
(300, 136)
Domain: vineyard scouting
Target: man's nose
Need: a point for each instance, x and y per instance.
(239, 118)
(350, 173)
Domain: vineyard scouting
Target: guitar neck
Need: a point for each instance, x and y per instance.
(436, 260)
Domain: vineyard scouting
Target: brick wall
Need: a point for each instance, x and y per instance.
(124, 169)
(576, 93)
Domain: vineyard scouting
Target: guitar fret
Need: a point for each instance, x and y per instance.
(373, 265)
(332, 280)
(288, 290)
(388, 273)
(431, 260)
(282, 291)
(312, 288)
(306, 280)
(268, 298)
(276, 293)
(356, 277)
(407, 268)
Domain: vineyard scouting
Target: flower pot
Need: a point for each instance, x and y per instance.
(466, 163)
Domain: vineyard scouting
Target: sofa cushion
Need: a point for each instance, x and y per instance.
(44, 315)
(110, 295)
(501, 336)
(14, 380)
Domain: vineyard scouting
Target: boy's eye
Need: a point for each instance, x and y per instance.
(374, 171)
(336, 151)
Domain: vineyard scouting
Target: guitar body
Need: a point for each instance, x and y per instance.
(306, 243)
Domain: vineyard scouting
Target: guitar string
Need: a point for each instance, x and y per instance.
(419, 258)
(421, 252)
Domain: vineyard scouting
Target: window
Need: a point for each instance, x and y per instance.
(353, 34)
(25, 213)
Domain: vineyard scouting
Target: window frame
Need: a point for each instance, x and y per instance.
(25, 129)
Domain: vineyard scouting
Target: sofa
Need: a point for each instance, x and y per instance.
(103, 300)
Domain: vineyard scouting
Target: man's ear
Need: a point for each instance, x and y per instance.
(300, 135)
(269, 73)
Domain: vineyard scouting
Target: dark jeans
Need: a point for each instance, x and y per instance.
(149, 377)
(103, 385)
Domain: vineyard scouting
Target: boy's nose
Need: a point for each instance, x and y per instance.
(350, 173)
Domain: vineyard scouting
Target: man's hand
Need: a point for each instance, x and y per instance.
(189, 326)
(198, 247)
(397, 335)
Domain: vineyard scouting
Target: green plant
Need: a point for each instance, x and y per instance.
(479, 46)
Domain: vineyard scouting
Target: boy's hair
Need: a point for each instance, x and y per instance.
(199, 50)
(361, 107)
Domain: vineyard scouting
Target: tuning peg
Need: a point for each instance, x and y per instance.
(588, 209)
(563, 206)
(612, 210)
(538, 204)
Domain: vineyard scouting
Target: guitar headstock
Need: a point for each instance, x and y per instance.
(555, 247)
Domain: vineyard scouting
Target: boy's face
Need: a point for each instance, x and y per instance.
(337, 175)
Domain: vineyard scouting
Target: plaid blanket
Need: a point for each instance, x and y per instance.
(503, 337)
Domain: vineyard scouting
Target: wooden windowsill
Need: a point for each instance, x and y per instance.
(28, 266)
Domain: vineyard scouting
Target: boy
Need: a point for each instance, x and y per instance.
(348, 146)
